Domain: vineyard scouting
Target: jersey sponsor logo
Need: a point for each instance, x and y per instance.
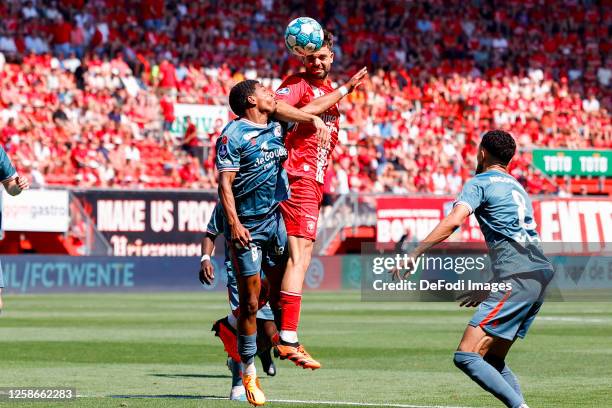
(222, 151)
(271, 154)
(283, 91)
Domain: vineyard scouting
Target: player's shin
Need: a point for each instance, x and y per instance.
(485, 375)
(247, 347)
(503, 368)
(248, 290)
(291, 304)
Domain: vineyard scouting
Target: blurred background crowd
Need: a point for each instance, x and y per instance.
(88, 88)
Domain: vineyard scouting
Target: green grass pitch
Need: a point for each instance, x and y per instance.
(156, 350)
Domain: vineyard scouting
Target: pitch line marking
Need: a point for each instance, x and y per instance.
(362, 404)
(339, 403)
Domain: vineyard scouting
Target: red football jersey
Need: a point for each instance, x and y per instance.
(306, 157)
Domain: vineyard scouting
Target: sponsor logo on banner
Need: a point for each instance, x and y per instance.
(36, 211)
(315, 274)
(150, 223)
(570, 221)
(417, 216)
(573, 162)
(574, 221)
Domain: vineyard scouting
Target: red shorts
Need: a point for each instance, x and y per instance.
(301, 210)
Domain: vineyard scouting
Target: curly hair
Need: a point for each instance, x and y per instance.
(328, 40)
(499, 144)
(239, 96)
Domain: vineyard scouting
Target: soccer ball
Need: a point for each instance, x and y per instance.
(304, 36)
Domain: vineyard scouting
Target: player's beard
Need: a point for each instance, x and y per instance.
(479, 168)
(321, 75)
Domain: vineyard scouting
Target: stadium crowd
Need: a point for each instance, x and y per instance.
(88, 87)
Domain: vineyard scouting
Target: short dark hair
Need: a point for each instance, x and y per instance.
(239, 96)
(328, 40)
(499, 144)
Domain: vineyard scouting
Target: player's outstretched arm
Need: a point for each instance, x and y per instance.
(444, 229)
(441, 232)
(16, 185)
(288, 113)
(239, 234)
(319, 105)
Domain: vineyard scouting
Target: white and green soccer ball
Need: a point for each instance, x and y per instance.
(304, 36)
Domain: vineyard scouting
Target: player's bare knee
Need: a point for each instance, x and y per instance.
(483, 346)
(251, 306)
(480, 346)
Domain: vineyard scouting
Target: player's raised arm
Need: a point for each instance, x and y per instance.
(444, 229)
(319, 105)
(288, 113)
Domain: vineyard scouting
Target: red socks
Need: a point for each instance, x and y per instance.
(290, 304)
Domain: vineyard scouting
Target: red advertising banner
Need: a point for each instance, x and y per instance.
(574, 220)
(567, 220)
(324, 273)
(417, 216)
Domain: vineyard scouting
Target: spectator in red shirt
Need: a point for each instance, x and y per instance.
(167, 108)
(167, 77)
(191, 143)
(62, 31)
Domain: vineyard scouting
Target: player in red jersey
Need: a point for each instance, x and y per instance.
(312, 92)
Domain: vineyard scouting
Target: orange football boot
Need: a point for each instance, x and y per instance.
(298, 355)
(253, 390)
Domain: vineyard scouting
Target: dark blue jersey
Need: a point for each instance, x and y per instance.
(505, 215)
(256, 153)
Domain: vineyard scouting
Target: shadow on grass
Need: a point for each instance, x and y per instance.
(192, 375)
(174, 396)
